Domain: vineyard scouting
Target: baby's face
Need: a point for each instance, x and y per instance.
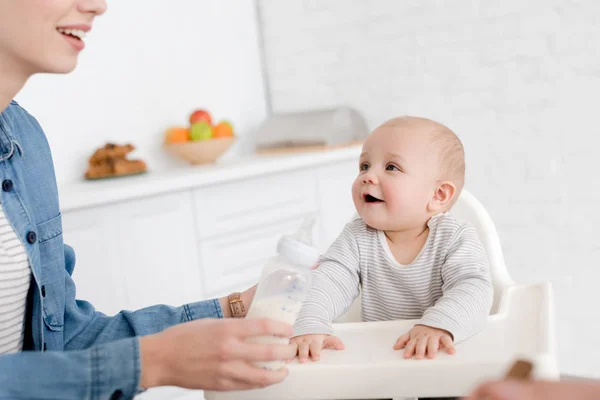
(397, 178)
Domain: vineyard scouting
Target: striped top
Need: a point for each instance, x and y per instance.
(15, 278)
(447, 286)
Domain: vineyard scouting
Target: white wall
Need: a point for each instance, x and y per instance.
(146, 66)
(519, 81)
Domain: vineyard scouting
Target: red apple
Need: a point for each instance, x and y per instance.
(200, 115)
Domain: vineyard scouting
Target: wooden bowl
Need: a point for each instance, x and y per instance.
(200, 152)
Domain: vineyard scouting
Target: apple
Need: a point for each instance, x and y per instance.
(200, 115)
(201, 131)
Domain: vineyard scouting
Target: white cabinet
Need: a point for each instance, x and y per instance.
(242, 205)
(240, 222)
(234, 261)
(97, 276)
(159, 252)
(187, 246)
(135, 254)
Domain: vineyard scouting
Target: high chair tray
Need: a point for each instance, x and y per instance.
(369, 368)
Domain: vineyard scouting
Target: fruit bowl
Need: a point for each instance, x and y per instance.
(201, 142)
(200, 152)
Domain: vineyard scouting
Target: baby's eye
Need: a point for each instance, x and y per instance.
(363, 167)
(392, 167)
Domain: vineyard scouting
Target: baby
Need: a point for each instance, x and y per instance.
(411, 258)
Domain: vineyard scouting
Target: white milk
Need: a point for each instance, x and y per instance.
(279, 308)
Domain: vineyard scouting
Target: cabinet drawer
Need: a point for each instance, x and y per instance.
(235, 262)
(237, 206)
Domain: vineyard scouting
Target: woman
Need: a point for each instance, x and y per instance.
(74, 351)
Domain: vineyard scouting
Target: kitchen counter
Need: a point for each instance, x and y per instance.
(87, 194)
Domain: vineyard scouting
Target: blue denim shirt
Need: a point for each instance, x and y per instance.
(71, 351)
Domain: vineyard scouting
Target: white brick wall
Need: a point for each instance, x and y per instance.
(519, 81)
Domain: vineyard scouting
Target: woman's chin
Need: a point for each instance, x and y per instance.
(65, 68)
(63, 65)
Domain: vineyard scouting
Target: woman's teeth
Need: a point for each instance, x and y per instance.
(72, 32)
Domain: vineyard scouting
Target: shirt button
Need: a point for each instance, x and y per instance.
(31, 237)
(7, 185)
(43, 291)
(117, 395)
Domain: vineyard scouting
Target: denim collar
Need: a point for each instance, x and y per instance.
(8, 143)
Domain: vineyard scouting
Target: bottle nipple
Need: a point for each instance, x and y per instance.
(298, 246)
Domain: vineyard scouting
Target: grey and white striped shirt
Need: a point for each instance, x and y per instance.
(447, 286)
(15, 278)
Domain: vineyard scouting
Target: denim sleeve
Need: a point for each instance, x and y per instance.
(86, 327)
(106, 371)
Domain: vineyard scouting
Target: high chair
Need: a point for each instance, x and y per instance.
(521, 325)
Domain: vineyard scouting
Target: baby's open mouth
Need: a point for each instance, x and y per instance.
(372, 199)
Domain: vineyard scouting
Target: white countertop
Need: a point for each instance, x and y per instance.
(85, 194)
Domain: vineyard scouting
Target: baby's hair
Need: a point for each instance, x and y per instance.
(451, 152)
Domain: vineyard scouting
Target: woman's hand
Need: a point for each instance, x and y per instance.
(212, 354)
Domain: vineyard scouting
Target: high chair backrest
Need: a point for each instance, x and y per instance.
(469, 209)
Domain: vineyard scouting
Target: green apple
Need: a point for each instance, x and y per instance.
(201, 131)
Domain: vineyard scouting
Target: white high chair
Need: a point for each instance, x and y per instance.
(520, 326)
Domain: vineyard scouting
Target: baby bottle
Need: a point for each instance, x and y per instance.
(284, 283)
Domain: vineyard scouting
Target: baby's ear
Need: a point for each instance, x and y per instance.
(442, 197)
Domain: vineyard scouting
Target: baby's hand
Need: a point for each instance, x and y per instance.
(313, 344)
(424, 340)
